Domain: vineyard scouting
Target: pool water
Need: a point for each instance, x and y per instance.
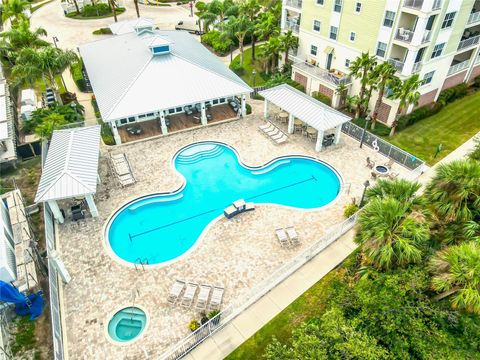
(162, 227)
(127, 324)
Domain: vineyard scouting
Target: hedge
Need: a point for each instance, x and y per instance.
(322, 98)
(77, 75)
(102, 31)
(248, 107)
(215, 39)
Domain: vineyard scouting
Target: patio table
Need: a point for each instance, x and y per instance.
(283, 116)
(311, 132)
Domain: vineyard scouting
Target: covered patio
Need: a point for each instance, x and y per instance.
(70, 172)
(305, 114)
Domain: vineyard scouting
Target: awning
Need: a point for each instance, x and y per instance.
(329, 50)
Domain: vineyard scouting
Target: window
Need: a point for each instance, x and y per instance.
(347, 63)
(215, 101)
(352, 36)
(142, 116)
(448, 20)
(131, 119)
(171, 111)
(222, 100)
(338, 6)
(358, 7)
(381, 49)
(320, 2)
(153, 114)
(333, 32)
(427, 78)
(313, 50)
(316, 25)
(437, 50)
(389, 19)
(123, 121)
(178, 109)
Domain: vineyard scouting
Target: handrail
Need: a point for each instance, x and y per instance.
(458, 67)
(474, 17)
(469, 42)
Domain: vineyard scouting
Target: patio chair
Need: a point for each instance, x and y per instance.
(390, 163)
(292, 235)
(393, 175)
(282, 237)
(188, 110)
(230, 212)
(217, 297)
(189, 294)
(239, 205)
(203, 296)
(78, 214)
(175, 291)
(370, 163)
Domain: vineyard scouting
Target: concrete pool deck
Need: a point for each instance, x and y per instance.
(236, 253)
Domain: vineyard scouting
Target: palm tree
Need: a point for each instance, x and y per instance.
(251, 8)
(136, 8)
(50, 123)
(14, 9)
(384, 74)
(342, 91)
(406, 92)
(217, 11)
(20, 37)
(46, 62)
(267, 26)
(360, 69)
(390, 234)
(113, 7)
(270, 51)
(239, 27)
(400, 189)
(288, 41)
(456, 273)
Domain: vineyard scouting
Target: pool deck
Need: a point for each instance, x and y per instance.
(236, 253)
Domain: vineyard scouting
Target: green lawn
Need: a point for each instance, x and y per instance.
(248, 67)
(39, 85)
(451, 127)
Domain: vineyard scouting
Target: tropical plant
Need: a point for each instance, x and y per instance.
(342, 91)
(349, 210)
(47, 62)
(216, 12)
(50, 123)
(267, 26)
(137, 10)
(475, 153)
(400, 189)
(391, 234)
(360, 69)
(269, 53)
(113, 7)
(351, 102)
(19, 37)
(406, 92)
(239, 27)
(288, 41)
(15, 10)
(383, 74)
(251, 9)
(456, 273)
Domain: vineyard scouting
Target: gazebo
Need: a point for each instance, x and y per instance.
(305, 108)
(71, 168)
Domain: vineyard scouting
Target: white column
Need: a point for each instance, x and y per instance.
(244, 105)
(163, 124)
(420, 30)
(291, 124)
(319, 144)
(265, 108)
(409, 61)
(338, 131)
(204, 114)
(91, 205)
(283, 19)
(116, 135)
(56, 211)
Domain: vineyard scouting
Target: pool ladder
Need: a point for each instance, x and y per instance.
(139, 262)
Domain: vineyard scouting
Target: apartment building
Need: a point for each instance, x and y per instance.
(438, 39)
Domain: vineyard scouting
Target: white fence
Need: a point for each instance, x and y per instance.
(187, 344)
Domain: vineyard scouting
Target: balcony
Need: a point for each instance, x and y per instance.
(404, 35)
(458, 67)
(292, 25)
(472, 41)
(297, 4)
(334, 78)
(416, 67)
(427, 35)
(437, 4)
(397, 64)
(414, 4)
(474, 17)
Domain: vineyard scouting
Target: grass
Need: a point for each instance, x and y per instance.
(451, 127)
(24, 336)
(248, 67)
(76, 16)
(39, 85)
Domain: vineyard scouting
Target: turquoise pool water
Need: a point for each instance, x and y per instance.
(127, 324)
(161, 227)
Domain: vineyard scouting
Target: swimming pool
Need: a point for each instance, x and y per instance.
(161, 227)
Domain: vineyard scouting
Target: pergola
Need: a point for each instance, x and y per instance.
(307, 109)
(71, 168)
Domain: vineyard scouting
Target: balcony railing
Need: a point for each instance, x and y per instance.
(427, 35)
(297, 4)
(474, 17)
(397, 64)
(458, 67)
(437, 4)
(416, 4)
(477, 60)
(322, 74)
(468, 42)
(404, 35)
(292, 25)
(417, 67)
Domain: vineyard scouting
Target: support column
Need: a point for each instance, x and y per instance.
(204, 114)
(91, 205)
(265, 108)
(338, 131)
(319, 144)
(116, 135)
(163, 124)
(244, 105)
(56, 211)
(291, 124)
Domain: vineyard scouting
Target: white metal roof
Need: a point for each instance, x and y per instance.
(129, 80)
(4, 131)
(72, 164)
(127, 26)
(311, 111)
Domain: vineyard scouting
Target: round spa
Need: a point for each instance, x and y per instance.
(127, 324)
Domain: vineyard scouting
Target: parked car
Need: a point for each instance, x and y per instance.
(190, 26)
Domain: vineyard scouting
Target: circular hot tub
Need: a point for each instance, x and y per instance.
(127, 324)
(381, 170)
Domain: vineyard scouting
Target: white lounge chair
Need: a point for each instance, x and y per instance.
(282, 237)
(280, 139)
(273, 132)
(203, 295)
(189, 294)
(267, 125)
(175, 291)
(217, 297)
(292, 235)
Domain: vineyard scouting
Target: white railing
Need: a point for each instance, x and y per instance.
(292, 25)
(426, 36)
(297, 4)
(468, 42)
(474, 17)
(458, 67)
(437, 4)
(397, 64)
(404, 35)
(416, 67)
(322, 74)
(416, 4)
(477, 59)
(187, 344)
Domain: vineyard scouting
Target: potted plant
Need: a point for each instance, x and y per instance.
(212, 315)
(193, 325)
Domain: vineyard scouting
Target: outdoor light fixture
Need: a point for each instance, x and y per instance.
(367, 120)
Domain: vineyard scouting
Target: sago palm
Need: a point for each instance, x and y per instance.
(384, 74)
(456, 273)
(360, 69)
(390, 234)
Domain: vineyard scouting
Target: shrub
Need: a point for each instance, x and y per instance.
(248, 107)
(77, 75)
(204, 319)
(418, 114)
(454, 93)
(237, 68)
(217, 41)
(213, 313)
(322, 98)
(476, 83)
(106, 133)
(95, 10)
(193, 325)
(102, 31)
(350, 209)
(257, 97)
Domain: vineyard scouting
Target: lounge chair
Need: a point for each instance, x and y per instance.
(280, 139)
(282, 237)
(292, 235)
(203, 296)
(273, 132)
(249, 206)
(266, 126)
(189, 294)
(175, 291)
(217, 297)
(239, 205)
(370, 163)
(230, 212)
